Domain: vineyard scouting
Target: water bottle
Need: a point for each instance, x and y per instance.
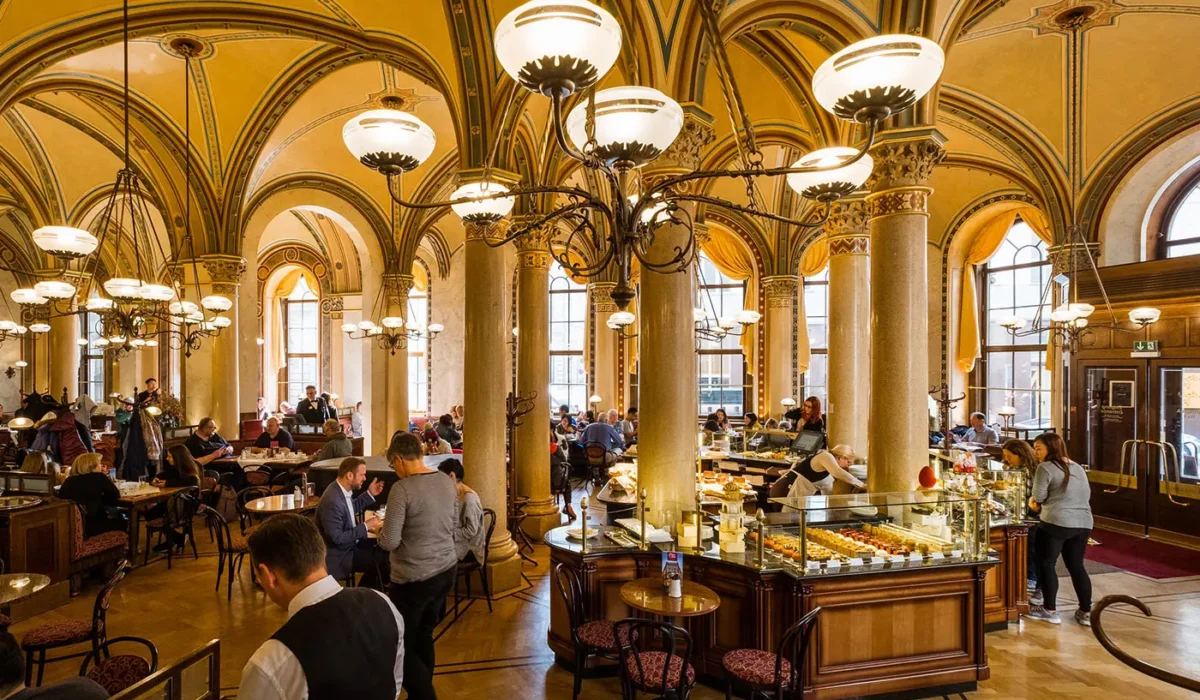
(298, 495)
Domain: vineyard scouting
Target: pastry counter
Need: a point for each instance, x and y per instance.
(900, 580)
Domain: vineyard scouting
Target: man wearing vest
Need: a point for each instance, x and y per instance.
(337, 643)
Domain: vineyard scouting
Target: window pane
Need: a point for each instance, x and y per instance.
(1185, 223)
(1178, 251)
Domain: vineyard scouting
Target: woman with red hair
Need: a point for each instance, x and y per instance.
(810, 416)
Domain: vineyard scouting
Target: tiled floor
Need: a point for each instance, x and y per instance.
(504, 655)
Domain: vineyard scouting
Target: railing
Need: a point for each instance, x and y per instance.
(196, 676)
(1129, 660)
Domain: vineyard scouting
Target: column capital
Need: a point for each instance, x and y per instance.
(227, 269)
(334, 307)
(905, 159)
(847, 227)
(533, 246)
(396, 287)
(479, 231)
(781, 290)
(602, 299)
(1073, 255)
(686, 152)
(702, 233)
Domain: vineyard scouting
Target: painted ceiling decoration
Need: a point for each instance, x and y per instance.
(1037, 95)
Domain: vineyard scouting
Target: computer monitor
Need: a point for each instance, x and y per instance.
(808, 442)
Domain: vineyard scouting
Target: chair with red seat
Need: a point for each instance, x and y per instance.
(591, 638)
(64, 633)
(116, 672)
(664, 671)
(771, 674)
(87, 553)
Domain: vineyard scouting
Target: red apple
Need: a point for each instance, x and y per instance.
(927, 478)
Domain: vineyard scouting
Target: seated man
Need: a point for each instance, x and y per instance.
(629, 427)
(337, 643)
(445, 430)
(347, 547)
(470, 536)
(336, 444)
(205, 444)
(564, 411)
(980, 432)
(434, 445)
(603, 433)
(275, 436)
(12, 679)
(314, 408)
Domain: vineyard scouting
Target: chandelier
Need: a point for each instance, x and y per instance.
(1068, 326)
(133, 312)
(391, 333)
(561, 48)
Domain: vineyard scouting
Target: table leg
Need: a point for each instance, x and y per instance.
(135, 528)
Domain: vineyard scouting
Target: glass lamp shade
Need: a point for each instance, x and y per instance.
(221, 322)
(124, 288)
(435, 328)
(481, 210)
(216, 303)
(365, 325)
(1144, 315)
(833, 182)
(117, 339)
(1079, 323)
(392, 322)
(157, 292)
(1062, 315)
(389, 140)
(154, 411)
(21, 364)
(594, 398)
(747, 317)
(347, 328)
(699, 315)
(8, 326)
(27, 296)
(99, 304)
(101, 342)
(152, 343)
(557, 46)
(375, 330)
(55, 289)
(621, 319)
(183, 308)
(81, 342)
(877, 77)
(726, 323)
(1014, 323)
(787, 402)
(633, 125)
(39, 327)
(1007, 411)
(21, 330)
(193, 317)
(138, 343)
(65, 242)
(261, 342)
(20, 423)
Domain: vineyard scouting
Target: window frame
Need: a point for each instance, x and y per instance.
(285, 378)
(560, 284)
(821, 279)
(91, 352)
(1163, 249)
(703, 290)
(417, 388)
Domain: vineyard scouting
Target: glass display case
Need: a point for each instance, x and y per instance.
(854, 532)
(1003, 492)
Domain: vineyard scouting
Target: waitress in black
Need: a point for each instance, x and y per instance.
(817, 474)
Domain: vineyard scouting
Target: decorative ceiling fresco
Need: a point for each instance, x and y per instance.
(1057, 101)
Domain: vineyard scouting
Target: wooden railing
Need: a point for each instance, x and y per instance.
(1129, 660)
(196, 676)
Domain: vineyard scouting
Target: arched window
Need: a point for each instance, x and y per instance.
(301, 312)
(418, 354)
(816, 309)
(568, 312)
(91, 360)
(1013, 369)
(1183, 224)
(722, 369)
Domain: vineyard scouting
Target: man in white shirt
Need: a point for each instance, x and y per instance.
(337, 643)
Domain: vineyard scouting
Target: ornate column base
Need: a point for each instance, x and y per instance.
(503, 565)
(541, 516)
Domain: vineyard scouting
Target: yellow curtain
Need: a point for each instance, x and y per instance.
(1037, 221)
(733, 260)
(287, 285)
(815, 259)
(985, 244)
(420, 279)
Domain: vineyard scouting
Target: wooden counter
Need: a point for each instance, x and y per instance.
(890, 631)
(1005, 595)
(37, 540)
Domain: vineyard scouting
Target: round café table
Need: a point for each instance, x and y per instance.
(270, 505)
(647, 595)
(18, 587)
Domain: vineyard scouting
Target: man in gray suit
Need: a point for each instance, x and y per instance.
(347, 547)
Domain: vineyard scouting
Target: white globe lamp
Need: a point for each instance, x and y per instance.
(388, 140)
(832, 180)
(874, 78)
(65, 242)
(557, 47)
(476, 202)
(633, 125)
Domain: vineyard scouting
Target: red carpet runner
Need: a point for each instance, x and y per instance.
(1141, 556)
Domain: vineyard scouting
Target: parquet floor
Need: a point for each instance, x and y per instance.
(503, 654)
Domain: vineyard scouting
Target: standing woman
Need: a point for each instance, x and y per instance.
(1018, 454)
(1062, 496)
(811, 417)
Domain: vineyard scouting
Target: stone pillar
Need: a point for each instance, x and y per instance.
(604, 354)
(225, 273)
(484, 391)
(39, 360)
(898, 207)
(396, 288)
(781, 293)
(532, 436)
(337, 346)
(667, 370)
(64, 356)
(849, 324)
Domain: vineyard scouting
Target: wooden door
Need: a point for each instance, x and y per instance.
(1108, 417)
(1174, 420)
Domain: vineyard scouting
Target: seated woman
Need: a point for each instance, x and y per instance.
(180, 470)
(90, 487)
(433, 443)
(817, 474)
(469, 534)
(37, 462)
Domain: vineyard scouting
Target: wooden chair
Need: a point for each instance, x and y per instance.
(63, 633)
(664, 671)
(231, 548)
(771, 674)
(258, 477)
(210, 487)
(597, 462)
(87, 553)
(589, 637)
(181, 511)
(470, 565)
(250, 493)
(117, 672)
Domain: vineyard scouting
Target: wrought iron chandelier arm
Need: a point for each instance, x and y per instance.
(394, 192)
(684, 256)
(672, 182)
(562, 211)
(580, 270)
(717, 201)
(590, 161)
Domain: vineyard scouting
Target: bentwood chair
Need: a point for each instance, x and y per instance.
(232, 548)
(469, 564)
(178, 517)
(116, 672)
(597, 462)
(664, 671)
(64, 633)
(250, 493)
(772, 675)
(591, 638)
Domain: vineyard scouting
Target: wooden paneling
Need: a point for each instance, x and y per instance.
(1004, 594)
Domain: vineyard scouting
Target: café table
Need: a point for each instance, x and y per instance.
(138, 500)
(285, 503)
(17, 587)
(647, 595)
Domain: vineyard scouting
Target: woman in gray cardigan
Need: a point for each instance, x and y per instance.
(1061, 496)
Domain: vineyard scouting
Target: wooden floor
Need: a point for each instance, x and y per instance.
(503, 654)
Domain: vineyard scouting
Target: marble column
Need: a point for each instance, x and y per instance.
(225, 274)
(64, 356)
(849, 324)
(780, 291)
(484, 391)
(667, 370)
(395, 289)
(531, 438)
(39, 360)
(898, 208)
(604, 354)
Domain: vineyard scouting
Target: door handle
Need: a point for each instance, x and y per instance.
(1121, 474)
(1162, 448)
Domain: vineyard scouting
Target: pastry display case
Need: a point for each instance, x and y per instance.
(1003, 492)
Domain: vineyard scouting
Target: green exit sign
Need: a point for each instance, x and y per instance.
(1145, 346)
